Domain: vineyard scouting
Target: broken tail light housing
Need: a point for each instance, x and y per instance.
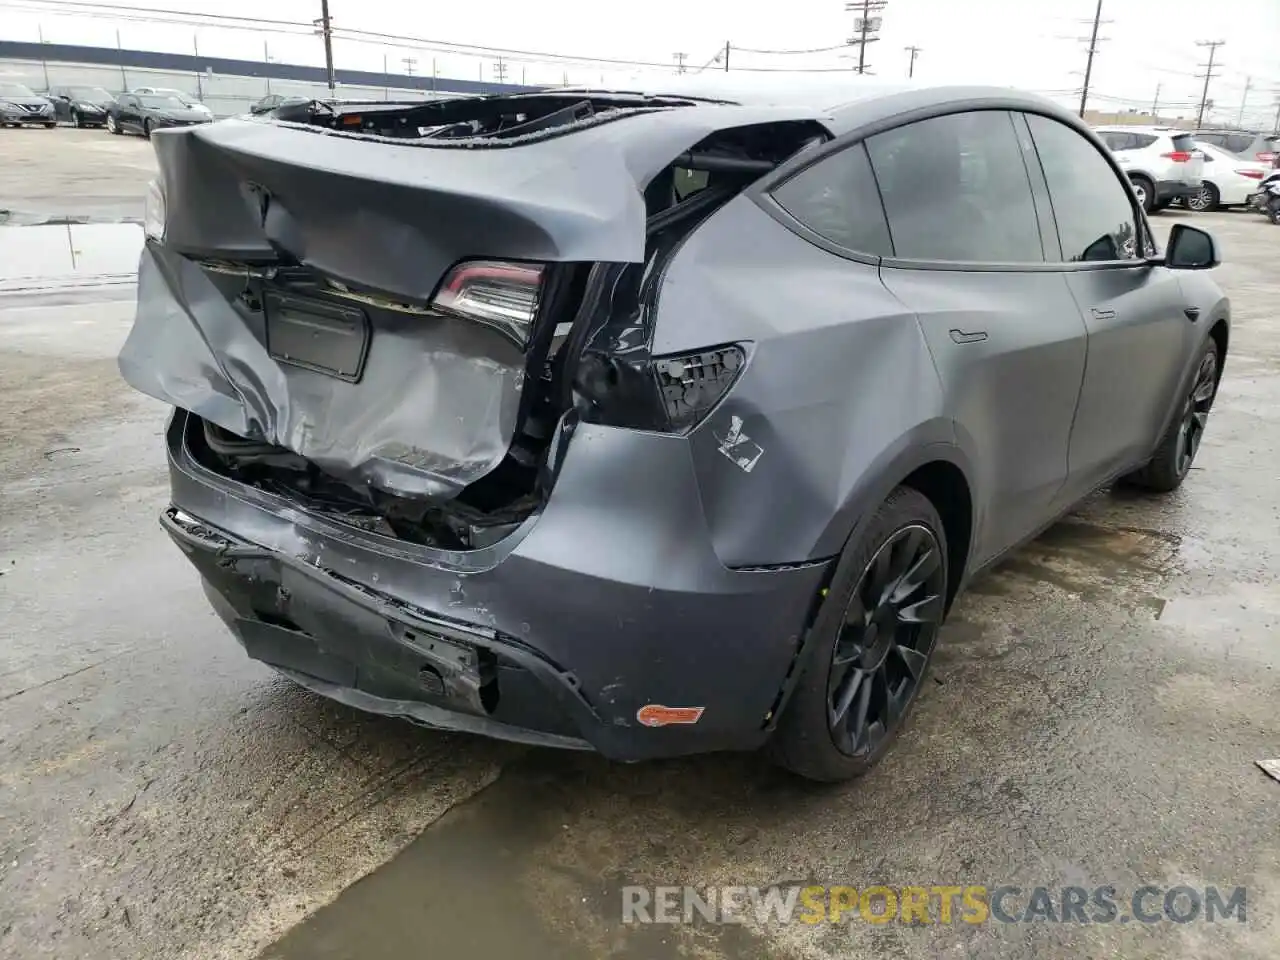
(668, 394)
(497, 293)
(155, 215)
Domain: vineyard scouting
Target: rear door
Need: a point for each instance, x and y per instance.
(1005, 333)
(1139, 336)
(127, 112)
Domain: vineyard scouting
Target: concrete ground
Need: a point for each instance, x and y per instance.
(1096, 710)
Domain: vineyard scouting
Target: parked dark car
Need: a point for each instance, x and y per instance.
(83, 106)
(644, 423)
(145, 112)
(274, 100)
(21, 105)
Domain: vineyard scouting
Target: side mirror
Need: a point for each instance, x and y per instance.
(1191, 248)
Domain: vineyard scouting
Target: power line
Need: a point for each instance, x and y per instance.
(782, 53)
(1213, 46)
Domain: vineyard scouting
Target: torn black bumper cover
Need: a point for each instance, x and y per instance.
(572, 636)
(433, 403)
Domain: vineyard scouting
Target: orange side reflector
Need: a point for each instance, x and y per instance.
(656, 715)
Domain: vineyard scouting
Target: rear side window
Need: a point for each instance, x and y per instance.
(836, 198)
(1239, 142)
(955, 188)
(1093, 206)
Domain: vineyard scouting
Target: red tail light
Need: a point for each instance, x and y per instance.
(1266, 157)
(499, 294)
(1251, 174)
(1177, 156)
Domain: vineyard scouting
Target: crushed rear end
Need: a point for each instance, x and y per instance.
(422, 453)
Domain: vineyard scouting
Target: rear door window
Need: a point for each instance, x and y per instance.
(1239, 142)
(955, 189)
(1094, 208)
(836, 198)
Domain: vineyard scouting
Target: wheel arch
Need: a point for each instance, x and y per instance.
(942, 472)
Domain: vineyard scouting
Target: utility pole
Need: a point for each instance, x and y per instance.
(1213, 46)
(266, 59)
(1276, 128)
(726, 56)
(679, 58)
(1155, 104)
(1088, 66)
(911, 64)
(44, 62)
(865, 26)
(124, 79)
(1248, 82)
(326, 30)
(195, 46)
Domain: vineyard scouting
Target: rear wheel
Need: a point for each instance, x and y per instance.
(146, 128)
(112, 126)
(1206, 198)
(76, 118)
(1181, 441)
(873, 637)
(1145, 191)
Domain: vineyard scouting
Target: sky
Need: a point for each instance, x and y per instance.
(1146, 46)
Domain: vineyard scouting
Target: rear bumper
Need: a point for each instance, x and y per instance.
(1167, 190)
(609, 601)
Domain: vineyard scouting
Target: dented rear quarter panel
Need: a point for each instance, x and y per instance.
(839, 401)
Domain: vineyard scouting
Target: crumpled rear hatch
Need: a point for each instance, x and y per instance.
(375, 303)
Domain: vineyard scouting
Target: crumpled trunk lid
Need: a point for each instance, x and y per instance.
(289, 301)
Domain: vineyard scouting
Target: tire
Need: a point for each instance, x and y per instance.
(51, 126)
(1207, 199)
(77, 119)
(1181, 441)
(861, 664)
(1146, 191)
(112, 126)
(146, 128)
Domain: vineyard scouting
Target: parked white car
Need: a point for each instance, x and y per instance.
(1163, 164)
(1228, 180)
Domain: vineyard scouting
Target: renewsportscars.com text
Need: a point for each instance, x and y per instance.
(945, 904)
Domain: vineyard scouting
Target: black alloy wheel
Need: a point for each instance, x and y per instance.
(1172, 460)
(1195, 412)
(890, 626)
(868, 650)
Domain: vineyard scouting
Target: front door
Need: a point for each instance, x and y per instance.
(1139, 335)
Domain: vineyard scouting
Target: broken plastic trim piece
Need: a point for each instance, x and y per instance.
(670, 394)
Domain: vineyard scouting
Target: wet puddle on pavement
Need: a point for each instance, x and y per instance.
(1089, 560)
(56, 256)
(499, 877)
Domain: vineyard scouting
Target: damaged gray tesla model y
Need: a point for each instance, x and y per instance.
(650, 424)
